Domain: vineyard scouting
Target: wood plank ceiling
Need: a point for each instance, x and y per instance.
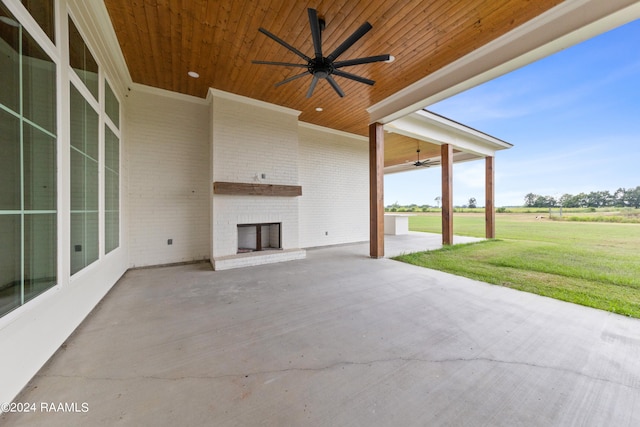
(164, 39)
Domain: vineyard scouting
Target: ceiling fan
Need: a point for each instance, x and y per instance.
(426, 163)
(325, 67)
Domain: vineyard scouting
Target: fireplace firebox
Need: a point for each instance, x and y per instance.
(259, 237)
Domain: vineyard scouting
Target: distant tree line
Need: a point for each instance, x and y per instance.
(396, 207)
(622, 197)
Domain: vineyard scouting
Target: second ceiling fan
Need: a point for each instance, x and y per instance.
(325, 67)
(426, 163)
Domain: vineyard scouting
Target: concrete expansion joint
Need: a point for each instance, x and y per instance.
(632, 384)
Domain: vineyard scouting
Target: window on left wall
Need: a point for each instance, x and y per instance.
(111, 170)
(84, 182)
(33, 257)
(28, 143)
(85, 155)
(82, 61)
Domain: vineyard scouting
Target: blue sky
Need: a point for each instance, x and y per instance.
(573, 118)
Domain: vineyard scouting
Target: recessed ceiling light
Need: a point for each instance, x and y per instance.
(193, 74)
(391, 59)
(318, 109)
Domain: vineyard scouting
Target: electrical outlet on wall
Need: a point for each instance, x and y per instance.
(170, 242)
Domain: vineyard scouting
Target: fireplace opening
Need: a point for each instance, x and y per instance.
(259, 237)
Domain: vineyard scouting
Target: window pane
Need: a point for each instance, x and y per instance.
(111, 105)
(39, 254)
(77, 242)
(9, 59)
(111, 150)
(91, 237)
(84, 240)
(9, 161)
(111, 191)
(82, 61)
(84, 125)
(39, 170)
(43, 12)
(39, 85)
(112, 225)
(78, 182)
(84, 211)
(84, 182)
(10, 261)
(77, 106)
(91, 175)
(112, 231)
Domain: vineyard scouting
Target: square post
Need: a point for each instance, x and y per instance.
(446, 153)
(376, 190)
(489, 204)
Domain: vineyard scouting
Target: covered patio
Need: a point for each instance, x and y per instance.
(338, 339)
(143, 134)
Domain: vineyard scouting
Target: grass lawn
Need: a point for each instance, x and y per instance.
(593, 264)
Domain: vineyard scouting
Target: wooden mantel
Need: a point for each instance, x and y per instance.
(253, 189)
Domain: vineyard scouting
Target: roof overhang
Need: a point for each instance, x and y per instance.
(402, 113)
(565, 25)
(434, 129)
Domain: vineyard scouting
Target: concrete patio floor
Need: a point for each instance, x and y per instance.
(337, 339)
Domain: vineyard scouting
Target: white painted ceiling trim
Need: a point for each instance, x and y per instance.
(137, 87)
(250, 101)
(435, 129)
(333, 131)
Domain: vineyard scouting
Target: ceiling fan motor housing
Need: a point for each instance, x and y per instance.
(321, 67)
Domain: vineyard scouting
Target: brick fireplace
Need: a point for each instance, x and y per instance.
(254, 204)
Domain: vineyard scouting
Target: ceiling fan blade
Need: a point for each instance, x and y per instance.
(284, 64)
(314, 23)
(335, 86)
(314, 82)
(426, 163)
(353, 77)
(364, 29)
(284, 43)
(292, 78)
(358, 61)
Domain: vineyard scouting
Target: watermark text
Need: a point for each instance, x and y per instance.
(48, 407)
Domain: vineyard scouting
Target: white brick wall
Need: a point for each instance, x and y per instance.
(334, 174)
(170, 153)
(250, 140)
(169, 184)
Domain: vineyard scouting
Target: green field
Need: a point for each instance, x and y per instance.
(596, 264)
